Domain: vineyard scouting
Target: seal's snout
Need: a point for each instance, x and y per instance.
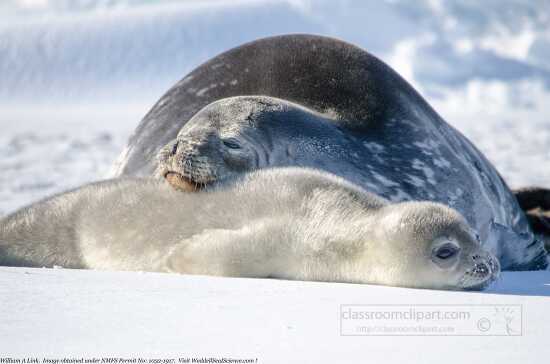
(180, 167)
(481, 270)
(485, 270)
(167, 154)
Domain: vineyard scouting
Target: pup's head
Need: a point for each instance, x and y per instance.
(429, 245)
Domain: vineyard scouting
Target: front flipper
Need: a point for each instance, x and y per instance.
(243, 252)
(535, 202)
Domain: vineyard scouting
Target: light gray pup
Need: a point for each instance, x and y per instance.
(289, 223)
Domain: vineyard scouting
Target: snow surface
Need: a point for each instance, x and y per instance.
(70, 313)
(76, 78)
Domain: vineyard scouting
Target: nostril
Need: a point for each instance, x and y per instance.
(476, 257)
(481, 269)
(175, 148)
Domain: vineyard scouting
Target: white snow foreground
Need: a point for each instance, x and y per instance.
(61, 313)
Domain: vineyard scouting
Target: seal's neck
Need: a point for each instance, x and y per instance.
(324, 252)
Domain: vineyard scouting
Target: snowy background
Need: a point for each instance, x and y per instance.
(76, 77)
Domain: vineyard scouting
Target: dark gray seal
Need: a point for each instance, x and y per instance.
(360, 113)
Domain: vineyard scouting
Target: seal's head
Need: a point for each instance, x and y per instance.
(240, 134)
(217, 142)
(429, 245)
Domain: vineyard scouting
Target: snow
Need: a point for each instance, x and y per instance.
(70, 313)
(77, 76)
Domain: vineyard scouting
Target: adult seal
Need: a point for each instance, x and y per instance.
(282, 223)
(399, 146)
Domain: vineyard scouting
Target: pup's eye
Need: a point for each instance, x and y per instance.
(446, 251)
(231, 143)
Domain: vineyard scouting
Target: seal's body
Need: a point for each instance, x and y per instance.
(282, 223)
(370, 119)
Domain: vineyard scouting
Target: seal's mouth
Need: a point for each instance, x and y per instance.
(481, 285)
(182, 183)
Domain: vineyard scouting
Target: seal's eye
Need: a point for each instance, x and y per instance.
(231, 144)
(446, 251)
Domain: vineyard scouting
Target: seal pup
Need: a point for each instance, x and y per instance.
(406, 150)
(282, 223)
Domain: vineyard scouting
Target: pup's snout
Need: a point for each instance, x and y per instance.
(481, 270)
(485, 266)
(485, 270)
